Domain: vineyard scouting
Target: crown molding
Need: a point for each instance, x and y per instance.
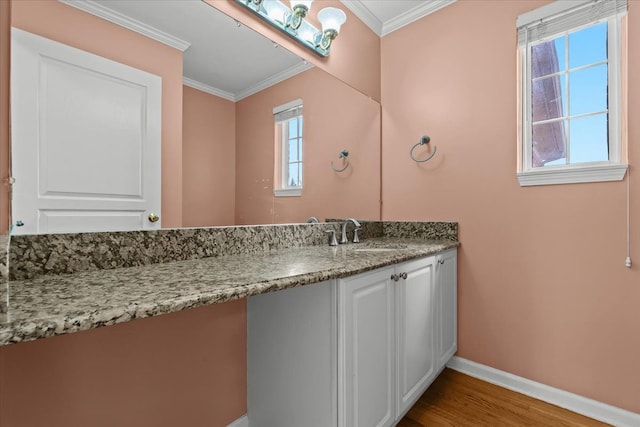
(264, 84)
(365, 15)
(273, 80)
(383, 28)
(413, 15)
(209, 89)
(127, 22)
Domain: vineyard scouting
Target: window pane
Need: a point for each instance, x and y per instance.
(588, 90)
(293, 150)
(546, 58)
(547, 98)
(588, 46)
(561, 51)
(293, 175)
(548, 144)
(293, 128)
(300, 125)
(589, 139)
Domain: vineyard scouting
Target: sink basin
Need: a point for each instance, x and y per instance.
(375, 249)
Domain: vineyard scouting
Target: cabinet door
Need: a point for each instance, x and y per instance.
(366, 350)
(447, 306)
(414, 330)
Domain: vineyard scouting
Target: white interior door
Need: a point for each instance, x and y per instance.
(86, 140)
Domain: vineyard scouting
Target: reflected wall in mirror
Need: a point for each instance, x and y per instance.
(335, 117)
(217, 133)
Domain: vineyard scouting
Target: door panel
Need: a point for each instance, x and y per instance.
(75, 159)
(59, 221)
(85, 140)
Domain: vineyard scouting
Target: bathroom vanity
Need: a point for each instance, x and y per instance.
(353, 336)
(355, 351)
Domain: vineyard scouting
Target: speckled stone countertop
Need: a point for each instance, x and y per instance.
(58, 304)
(4, 276)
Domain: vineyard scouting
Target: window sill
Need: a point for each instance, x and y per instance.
(288, 192)
(573, 175)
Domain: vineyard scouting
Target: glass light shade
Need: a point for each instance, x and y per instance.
(305, 3)
(331, 19)
(275, 9)
(307, 32)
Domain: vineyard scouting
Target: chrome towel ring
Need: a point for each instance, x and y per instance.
(344, 154)
(424, 140)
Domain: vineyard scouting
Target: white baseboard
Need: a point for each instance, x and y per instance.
(573, 402)
(243, 421)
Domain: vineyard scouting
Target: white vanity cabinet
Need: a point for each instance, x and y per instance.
(353, 352)
(386, 347)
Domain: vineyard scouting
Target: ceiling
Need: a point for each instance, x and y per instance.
(220, 55)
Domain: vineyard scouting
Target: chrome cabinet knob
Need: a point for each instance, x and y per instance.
(153, 217)
(404, 276)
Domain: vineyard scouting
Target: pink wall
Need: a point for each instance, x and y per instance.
(355, 54)
(209, 159)
(5, 67)
(543, 290)
(335, 117)
(181, 369)
(73, 27)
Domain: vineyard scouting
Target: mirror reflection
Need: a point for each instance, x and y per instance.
(221, 154)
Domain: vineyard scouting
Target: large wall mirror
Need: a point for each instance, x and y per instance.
(231, 80)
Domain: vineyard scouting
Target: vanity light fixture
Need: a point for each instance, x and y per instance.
(291, 20)
(299, 8)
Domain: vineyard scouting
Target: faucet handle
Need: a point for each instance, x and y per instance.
(332, 238)
(355, 235)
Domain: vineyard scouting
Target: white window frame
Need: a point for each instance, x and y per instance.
(547, 23)
(281, 113)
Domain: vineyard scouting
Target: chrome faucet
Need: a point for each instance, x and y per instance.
(343, 239)
(332, 237)
(312, 219)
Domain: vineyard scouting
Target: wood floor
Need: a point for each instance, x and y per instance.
(456, 399)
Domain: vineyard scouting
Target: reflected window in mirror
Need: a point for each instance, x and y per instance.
(288, 149)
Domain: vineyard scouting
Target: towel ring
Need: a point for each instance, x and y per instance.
(344, 154)
(424, 140)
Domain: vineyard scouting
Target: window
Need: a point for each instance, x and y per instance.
(288, 149)
(571, 108)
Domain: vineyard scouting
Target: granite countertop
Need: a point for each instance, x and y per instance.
(55, 305)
